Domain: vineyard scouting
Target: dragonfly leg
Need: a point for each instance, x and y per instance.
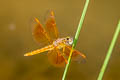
(63, 51)
(77, 52)
(62, 56)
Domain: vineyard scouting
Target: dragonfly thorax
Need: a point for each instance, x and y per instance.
(61, 42)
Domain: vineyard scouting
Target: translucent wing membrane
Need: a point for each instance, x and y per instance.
(56, 59)
(39, 33)
(51, 26)
(76, 54)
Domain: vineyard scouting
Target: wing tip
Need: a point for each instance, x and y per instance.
(36, 20)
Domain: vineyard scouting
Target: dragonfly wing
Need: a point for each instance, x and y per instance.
(39, 33)
(76, 54)
(56, 59)
(51, 26)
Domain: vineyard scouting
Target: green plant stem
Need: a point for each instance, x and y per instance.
(107, 58)
(76, 38)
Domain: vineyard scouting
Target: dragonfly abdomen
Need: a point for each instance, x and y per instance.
(47, 48)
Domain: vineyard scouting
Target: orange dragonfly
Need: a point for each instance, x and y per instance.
(58, 48)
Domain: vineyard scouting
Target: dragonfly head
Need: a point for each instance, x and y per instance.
(69, 40)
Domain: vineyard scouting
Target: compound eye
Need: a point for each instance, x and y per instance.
(67, 38)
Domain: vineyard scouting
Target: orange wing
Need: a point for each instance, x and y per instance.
(51, 26)
(56, 59)
(39, 33)
(76, 54)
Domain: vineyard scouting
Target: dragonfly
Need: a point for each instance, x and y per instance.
(58, 48)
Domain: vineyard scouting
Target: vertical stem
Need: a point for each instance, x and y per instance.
(76, 38)
(107, 58)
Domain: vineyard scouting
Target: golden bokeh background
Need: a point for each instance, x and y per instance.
(16, 38)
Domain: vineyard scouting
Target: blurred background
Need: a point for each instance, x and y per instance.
(16, 38)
